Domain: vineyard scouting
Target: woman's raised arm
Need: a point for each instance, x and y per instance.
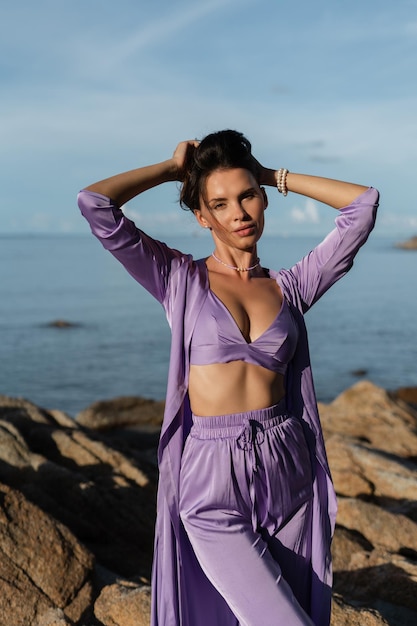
(335, 193)
(123, 187)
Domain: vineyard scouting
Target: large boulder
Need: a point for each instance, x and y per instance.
(103, 492)
(43, 565)
(77, 511)
(371, 440)
(371, 416)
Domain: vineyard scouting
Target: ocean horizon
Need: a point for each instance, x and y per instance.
(117, 341)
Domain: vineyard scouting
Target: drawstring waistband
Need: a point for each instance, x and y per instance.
(251, 437)
(231, 424)
(253, 434)
(248, 430)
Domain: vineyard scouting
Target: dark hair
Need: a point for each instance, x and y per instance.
(225, 149)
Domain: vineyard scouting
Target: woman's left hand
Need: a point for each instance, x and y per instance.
(265, 175)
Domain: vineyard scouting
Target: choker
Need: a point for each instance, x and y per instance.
(234, 267)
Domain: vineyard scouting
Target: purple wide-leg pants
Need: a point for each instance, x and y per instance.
(246, 504)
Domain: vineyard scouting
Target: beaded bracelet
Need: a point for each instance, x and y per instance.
(282, 181)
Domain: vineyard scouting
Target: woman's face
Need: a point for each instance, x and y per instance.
(233, 207)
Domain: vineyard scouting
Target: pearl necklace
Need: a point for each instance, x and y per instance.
(234, 267)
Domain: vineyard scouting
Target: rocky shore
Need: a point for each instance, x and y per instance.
(77, 509)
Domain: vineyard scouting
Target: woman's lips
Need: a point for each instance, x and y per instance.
(245, 231)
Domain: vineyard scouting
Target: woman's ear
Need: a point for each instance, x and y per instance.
(265, 197)
(200, 219)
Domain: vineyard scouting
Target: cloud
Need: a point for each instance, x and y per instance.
(42, 222)
(399, 222)
(174, 22)
(145, 219)
(138, 50)
(169, 222)
(411, 28)
(308, 214)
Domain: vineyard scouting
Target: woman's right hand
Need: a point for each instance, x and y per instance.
(182, 154)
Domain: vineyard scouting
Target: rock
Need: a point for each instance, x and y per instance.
(347, 543)
(388, 531)
(36, 551)
(124, 604)
(62, 324)
(380, 577)
(344, 614)
(349, 479)
(407, 395)
(359, 373)
(102, 492)
(409, 244)
(372, 446)
(369, 415)
(373, 565)
(79, 497)
(360, 470)
(121, 412)
(53, 617)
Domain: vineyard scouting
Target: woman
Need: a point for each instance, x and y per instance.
(246, 507)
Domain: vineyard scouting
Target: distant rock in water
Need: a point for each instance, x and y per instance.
(409, 244)
(61, 324)
(359, 373)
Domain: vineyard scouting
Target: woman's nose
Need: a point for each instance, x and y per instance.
(239, 211)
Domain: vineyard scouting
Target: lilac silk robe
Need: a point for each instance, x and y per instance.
(178, 282)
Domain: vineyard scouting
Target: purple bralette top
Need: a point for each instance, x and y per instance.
(218, 339)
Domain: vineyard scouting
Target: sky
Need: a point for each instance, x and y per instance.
(90, 88)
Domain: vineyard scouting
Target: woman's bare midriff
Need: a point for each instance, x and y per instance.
(233, 387)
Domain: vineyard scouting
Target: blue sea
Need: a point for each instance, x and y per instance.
(119, 341)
